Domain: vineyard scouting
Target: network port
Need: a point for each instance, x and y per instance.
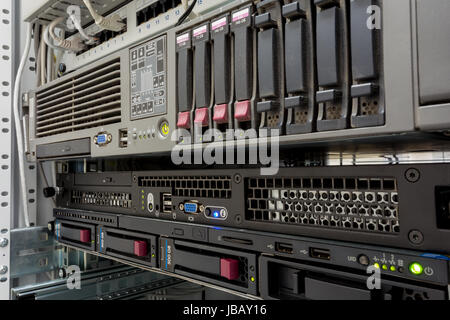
(155, 9)
(102, 37)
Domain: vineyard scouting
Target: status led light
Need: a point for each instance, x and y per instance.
(385, 267)
(377, 265)
(416, 268)
(392, 268)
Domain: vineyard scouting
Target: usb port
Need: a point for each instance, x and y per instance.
(123, 138)
(322, 254)
(284, 248)
(167, 203)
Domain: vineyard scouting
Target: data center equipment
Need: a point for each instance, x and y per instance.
(123, 85)
(317, 71)
(258, 264)
(399, 206)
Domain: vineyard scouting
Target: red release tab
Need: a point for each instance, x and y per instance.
(184, 120)
(229, 268)
(242, 111)
(140, 248)
(201, 117)
(85, 236)
(221, 113)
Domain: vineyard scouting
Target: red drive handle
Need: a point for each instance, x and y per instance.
(140, 248)
(85, 236)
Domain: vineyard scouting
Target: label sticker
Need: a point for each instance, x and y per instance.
(241, 14)
(199, 31)
(219, 23)
(183, 38)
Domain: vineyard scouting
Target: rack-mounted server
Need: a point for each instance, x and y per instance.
(260, 264)
(399, 205)
(317, 71)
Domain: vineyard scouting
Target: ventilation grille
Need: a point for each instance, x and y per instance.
(81, 216)
(86, 100)
(200, 187)
(104, 199)
(363, 204)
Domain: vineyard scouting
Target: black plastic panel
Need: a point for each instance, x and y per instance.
(184, 72)
(328, 26)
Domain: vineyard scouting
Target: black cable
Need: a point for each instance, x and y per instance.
(187, 13)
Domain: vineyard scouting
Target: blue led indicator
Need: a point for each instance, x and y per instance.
(216, 214)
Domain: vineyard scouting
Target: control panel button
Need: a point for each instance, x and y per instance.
(416, 268)
(363, 260)
(164, 129)
(229, 268)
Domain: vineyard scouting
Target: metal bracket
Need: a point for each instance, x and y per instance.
(33, 251)
(6, 93)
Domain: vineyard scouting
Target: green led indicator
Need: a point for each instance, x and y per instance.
(416, 268)
(377, 265)
(385, 267)
(392, 268)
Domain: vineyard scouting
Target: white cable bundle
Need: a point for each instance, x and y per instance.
(77, 24)
(112, 23)
(18, 125)
(75, 44)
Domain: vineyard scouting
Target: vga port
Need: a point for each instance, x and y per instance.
(102, 139)
(190, 207)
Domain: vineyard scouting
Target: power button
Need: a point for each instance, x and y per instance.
(164, 129)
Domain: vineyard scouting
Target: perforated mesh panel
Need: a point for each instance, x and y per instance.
(333, 111)
(200, 186)
(273, 118)
(96, 218)
(104, 199)
(369, 106)
(301, 115)
(364, 204)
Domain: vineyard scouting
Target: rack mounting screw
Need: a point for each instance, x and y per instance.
(415, 236)
(412, 175)
(3, 242)
(3, 269)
